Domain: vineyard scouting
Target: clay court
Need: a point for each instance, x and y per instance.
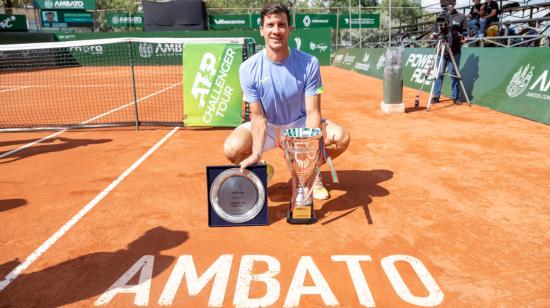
(444, 208)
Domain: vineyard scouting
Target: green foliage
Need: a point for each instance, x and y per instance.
(403, 11)
(123, 5)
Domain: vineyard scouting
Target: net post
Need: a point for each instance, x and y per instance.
(130, 54)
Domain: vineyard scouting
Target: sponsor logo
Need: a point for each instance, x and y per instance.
(48, 4)
(210, 85)
(212, 279)
(381, 62)
(126, 20)
(361, 21)
(366, 57)
(169, 49)
(145, 50)
(68, 3)
(322, 47)
(298, 42)
(7, 23)
(229, 22)
(520, 82)
(264, 79)
(348, 59)
(421, 64)
(93, 49)
(363, 66)
(338, 58)
(307, 21)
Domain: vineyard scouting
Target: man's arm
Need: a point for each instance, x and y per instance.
(313, 111)
(259, 127)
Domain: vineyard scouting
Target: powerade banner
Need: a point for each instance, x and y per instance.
(125, 20)
(65, 4)
(212, 93)
(356, 21)
(315, 21)
(13, 22)
(521, 87)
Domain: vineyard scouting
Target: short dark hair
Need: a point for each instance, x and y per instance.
(274, 8)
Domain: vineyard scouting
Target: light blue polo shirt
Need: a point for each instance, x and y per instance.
(281, 87)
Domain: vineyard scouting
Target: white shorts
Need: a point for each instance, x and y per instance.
(270, 141)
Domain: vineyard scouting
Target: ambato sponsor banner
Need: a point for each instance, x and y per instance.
(66, 4)
(212, 92)
(315, 21)
(359, 21)
(125, 20)
(13, 22)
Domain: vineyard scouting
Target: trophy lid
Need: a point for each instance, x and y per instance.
(302, 132)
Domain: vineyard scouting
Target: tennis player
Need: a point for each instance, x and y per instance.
(283, 87)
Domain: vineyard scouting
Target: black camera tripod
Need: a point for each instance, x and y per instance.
(434, 72)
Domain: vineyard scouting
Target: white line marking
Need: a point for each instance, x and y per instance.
(130, 103)
(85, 122)
(66, 227)
(16, 88)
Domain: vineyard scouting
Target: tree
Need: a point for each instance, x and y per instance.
(103, 6)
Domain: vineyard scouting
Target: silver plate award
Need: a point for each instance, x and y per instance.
(237, 196)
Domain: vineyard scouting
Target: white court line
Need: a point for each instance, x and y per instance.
(85, 122)
(66, 227)
(130, 103)
(13, 89)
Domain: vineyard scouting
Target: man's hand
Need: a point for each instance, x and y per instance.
(250, 160)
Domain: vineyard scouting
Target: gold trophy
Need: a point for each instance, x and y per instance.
(302, 153)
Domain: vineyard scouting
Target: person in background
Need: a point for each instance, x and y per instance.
(489, 15)
(451, 32)
(474, 16)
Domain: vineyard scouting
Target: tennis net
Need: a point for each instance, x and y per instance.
(105, 82)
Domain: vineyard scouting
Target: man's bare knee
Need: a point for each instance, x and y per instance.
(236, 146)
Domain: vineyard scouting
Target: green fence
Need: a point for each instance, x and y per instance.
(316, 42)
(511, 80)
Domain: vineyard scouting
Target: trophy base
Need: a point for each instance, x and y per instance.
(300, 221)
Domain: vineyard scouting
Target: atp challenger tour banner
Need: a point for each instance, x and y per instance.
(212, 93)
(520, 87)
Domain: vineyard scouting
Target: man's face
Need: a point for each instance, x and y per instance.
(49, 16)
(276, 31)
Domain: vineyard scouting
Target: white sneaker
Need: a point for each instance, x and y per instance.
(319, 191)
